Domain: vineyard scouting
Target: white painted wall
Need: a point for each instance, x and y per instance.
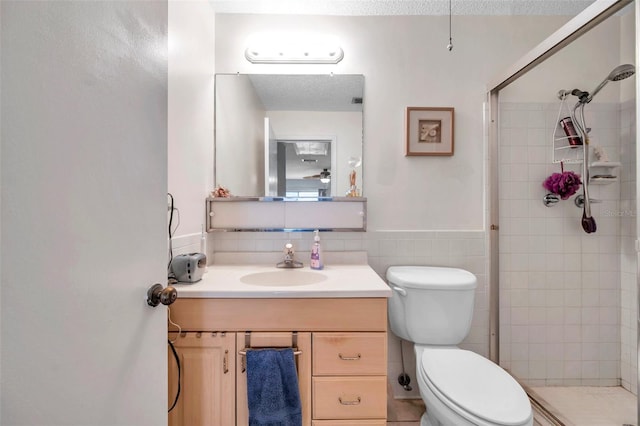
(628, 51)
(583, 64)
(408, 67)
(191, 26)
(84, 130)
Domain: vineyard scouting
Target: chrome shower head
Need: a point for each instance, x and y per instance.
(619, 73)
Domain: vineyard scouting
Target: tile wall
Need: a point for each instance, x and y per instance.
(560, 287)
(628, 266)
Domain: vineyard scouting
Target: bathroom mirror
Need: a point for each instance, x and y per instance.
(293, 136)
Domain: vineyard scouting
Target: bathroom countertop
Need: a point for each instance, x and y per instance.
(334, 281)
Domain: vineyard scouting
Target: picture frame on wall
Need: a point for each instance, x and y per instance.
(429, 131)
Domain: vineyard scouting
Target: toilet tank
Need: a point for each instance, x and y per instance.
(431, 305)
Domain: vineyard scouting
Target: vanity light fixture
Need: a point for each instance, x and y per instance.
(293, 48)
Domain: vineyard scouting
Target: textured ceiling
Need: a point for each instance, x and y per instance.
(402, 7)
(308, 92)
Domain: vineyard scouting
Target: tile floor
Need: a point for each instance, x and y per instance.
(589, 406)
(404, 412)
(575, 406)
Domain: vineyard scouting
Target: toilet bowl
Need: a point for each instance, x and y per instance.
(433, 307)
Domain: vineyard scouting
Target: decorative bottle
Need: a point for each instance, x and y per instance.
(316, 252)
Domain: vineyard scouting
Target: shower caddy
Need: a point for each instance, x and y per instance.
(563, 152)
(600, 172)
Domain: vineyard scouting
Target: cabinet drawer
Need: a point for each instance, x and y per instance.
(372, 422)
(349, 397)
(349, 354)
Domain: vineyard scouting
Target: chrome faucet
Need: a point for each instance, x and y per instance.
(289, 261)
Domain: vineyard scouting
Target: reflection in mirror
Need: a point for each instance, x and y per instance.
(288, 135)
(302, 168)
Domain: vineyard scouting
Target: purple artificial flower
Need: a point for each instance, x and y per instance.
(564, 184)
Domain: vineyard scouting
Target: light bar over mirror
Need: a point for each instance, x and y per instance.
(293, 48)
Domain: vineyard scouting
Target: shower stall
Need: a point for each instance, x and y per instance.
(563, 264)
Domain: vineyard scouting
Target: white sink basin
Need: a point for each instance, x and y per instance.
(283, 278)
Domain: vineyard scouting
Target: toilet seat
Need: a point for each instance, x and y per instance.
(474, 387)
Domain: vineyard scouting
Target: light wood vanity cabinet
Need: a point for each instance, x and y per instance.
(342, 369)
(207, 388)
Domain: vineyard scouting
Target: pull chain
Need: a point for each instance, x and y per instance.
(450, 45)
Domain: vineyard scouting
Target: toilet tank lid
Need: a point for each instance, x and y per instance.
(431, 277)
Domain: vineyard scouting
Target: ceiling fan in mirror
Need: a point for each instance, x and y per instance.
(324, 176)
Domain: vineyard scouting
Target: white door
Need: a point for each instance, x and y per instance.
(84, 212)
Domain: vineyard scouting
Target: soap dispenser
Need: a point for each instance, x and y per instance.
(316, 252)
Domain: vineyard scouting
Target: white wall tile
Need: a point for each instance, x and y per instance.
(573, 279)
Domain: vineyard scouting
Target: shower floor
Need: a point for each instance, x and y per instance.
(588, 406)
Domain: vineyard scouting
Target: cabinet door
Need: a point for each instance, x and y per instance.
(207, 383)
(303, 363)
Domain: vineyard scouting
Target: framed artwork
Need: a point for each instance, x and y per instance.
(429, 131)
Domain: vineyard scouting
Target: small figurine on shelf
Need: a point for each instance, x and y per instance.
(353, 189)
(220, 192)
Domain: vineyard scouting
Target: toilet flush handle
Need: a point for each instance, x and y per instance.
(402, 291)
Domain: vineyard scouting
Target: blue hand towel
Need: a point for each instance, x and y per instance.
(272, 388)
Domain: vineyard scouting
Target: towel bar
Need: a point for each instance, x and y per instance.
(243, 352)
(247, 344)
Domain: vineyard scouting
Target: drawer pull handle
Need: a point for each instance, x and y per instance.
(355, 402)
(349, 358)
(225, 362)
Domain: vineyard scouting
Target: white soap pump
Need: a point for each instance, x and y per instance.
(316, 252)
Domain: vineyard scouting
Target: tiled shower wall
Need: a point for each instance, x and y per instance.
(628, 265)
(465, 249)
(560, 288)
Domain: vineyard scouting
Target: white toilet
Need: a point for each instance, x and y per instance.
(433, 307)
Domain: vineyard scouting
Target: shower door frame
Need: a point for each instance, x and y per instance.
(576, 27)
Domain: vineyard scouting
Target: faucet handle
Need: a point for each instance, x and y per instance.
(288, 248)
